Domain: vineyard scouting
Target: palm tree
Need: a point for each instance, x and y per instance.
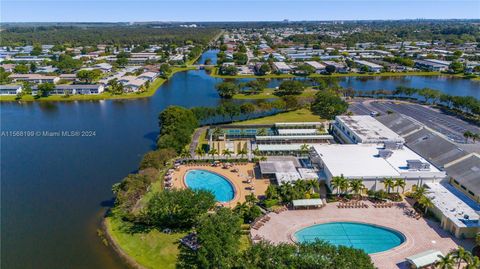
(344, 185)
(473, 263)
(304, 149)
(200, 151)
(388, 183)
(217, 132)
(461, 255)
(426, 203)
(257, 152)
(445, 262)
(212, 152)
(336, 182)
(419, 192)
(227, 152)
(185, 153)
(356, 185)
(400, 183)
(467, 135)
(313, 184)
(242, 152)
(262, 131)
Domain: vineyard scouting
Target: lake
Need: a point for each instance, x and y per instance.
(56, 189)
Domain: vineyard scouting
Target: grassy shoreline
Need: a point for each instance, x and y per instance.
(155, 85)
(214, 73)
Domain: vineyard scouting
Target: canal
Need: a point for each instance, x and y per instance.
(54, 190)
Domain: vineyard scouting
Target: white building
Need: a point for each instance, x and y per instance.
(363, 129)
(282, 67)
(372, 163)
(34, 78)
(371, 67)
(319, 68)
(10, 89)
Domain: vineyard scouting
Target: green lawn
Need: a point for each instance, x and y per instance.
(269, 94)
(301, 115)
(149, 92)
(152, 250)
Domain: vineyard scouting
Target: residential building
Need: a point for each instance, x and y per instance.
(432, 65)
(319, 68)
(10, 89)
(371, 67)
(282, 67)
(34, 78)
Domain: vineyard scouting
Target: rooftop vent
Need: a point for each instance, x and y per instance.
(393, 145)
(417, 165)
(385, 153)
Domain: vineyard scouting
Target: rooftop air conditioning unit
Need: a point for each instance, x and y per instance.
(417, 165)
(385, 153)
(393, 145)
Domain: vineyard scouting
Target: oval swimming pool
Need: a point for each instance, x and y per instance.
(369, 238)
(205, 180)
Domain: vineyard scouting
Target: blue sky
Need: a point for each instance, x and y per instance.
(224, 10)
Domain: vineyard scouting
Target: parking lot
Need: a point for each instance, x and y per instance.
(449, 126)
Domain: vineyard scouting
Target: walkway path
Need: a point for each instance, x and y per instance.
(196, 137)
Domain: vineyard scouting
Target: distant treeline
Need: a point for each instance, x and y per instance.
(456, 32)
(122, 35)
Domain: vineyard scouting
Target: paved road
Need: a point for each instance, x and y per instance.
(450, 126)
(196, 137)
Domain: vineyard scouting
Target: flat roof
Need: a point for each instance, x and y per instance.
(281, 65)
(283, 147)
(452, 206)
(362, 161)
(272, 167)
(291, 137)
(307, 202)
(466, 171)
(425, 258)
(368, 129)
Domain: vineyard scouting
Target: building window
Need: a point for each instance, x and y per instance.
(471, 193)
(463, 187)
(456, 182)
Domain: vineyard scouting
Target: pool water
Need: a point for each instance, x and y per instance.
(221, 188)
(369, 238)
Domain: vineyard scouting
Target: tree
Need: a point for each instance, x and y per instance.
(290, 87)
(218, 236)
(157, 159)
(445, 262)
(330, 69)
(37, 50)
(115, 87)
(419, 192)
(226, 89)
(304, 149)
(240, 58)
(313, 184)
(461, 255)
(456, 67)
(227, 152)
(177, 125)
(200, 151)
(317, 254)
(212, 152)
(21, 69)
(400, 183)
(247, 109)
(44, 89)
(264, 69)
(228, 70)
(177, 209)
(327, 104)
(388, 183)
(337, 182)
(426, 203)
(356, 185)
(89, 75)
(67, 64)
(165, 70)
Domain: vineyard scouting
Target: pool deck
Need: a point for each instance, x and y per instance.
(238, 180)
(421, 235)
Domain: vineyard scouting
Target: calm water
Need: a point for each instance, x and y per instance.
(54, 189)
(370, 238)
(204, 180)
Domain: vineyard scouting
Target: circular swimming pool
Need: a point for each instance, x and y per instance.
(370, 238)
(205, 180)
